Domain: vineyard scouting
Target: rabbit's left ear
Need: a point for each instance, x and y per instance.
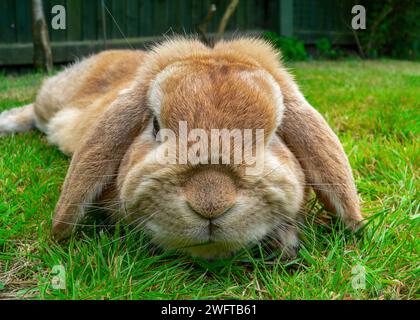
(307, 135)
(97, 160)
(317, 148)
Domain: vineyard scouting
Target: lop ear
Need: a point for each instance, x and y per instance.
(96, 162)
(320, 153)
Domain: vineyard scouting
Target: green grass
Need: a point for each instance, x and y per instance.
(373, 106)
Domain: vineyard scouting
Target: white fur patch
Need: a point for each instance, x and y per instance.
(155, 93)
(17, 120)
(7, 123)
(60, 127)
(124, 91)
(250, 76)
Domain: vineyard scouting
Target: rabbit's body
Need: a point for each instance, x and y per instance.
(106, 111)
(69, 103)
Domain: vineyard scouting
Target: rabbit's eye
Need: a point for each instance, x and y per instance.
(156, 126)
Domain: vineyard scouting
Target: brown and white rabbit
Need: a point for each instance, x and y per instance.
(106, 111)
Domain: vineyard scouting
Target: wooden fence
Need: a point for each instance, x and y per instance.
(93, 25)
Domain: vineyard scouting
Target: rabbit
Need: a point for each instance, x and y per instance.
(107, 110)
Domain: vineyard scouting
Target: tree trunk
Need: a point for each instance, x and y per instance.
(202, 27)
(42, 51)
(225, 19)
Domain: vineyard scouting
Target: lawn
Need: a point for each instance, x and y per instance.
(373, 106)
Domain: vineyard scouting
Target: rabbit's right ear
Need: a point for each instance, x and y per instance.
(97, 160)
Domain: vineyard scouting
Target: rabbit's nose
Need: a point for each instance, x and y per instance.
(210, 193)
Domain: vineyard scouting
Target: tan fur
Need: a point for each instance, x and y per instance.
(210, 192)
(17, 120)
(89, 86)
(100, 111)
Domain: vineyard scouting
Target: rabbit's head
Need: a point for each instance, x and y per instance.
(203, 163)
(200, 201)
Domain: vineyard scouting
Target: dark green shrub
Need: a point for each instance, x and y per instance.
(291, 49)
(392, 29)
(325, 49)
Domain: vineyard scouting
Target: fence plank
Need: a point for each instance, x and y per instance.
(240, 14)
(186, 16)
(173, 22)
(89, 23)
(145, 14)
(118, 19)
(101, 22)
(7, 21)
(257, 11)
(195, 14)
(74, 20)
(132, 13)
(23, 21)
(160, 17)
(286, 18)
(108, 19)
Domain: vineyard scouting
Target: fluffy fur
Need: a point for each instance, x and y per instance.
(100, 111)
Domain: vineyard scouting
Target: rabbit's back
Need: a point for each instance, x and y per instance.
(69, 103)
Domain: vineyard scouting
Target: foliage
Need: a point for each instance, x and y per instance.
(291, 48)
(392, 29)
(326, 50)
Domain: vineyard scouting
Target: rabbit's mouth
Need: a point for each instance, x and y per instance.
(208, 239)
(210, 249)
